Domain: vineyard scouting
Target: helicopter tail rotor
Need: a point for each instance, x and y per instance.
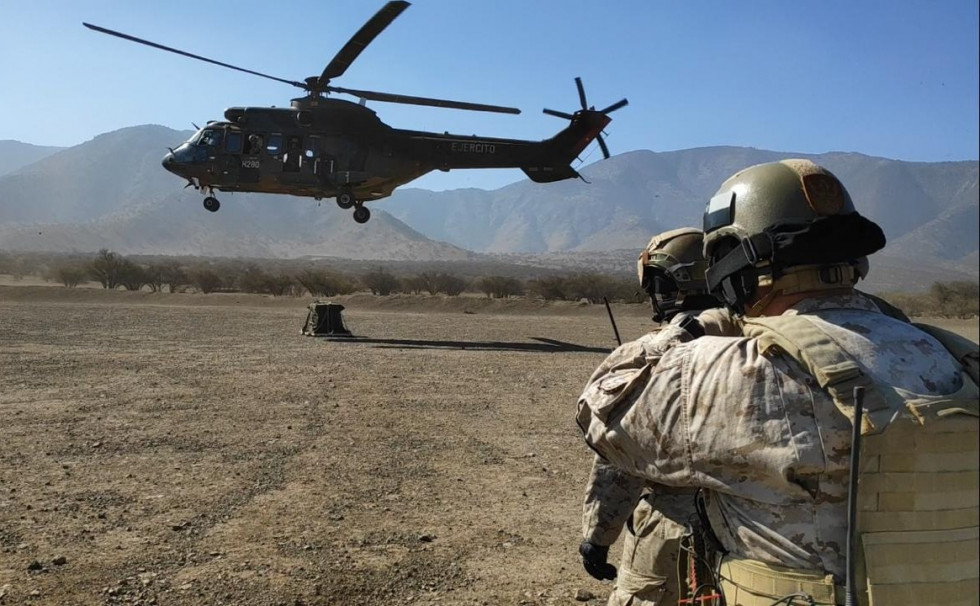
(589, 108)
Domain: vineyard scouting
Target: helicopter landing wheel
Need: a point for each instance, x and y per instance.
(361, 214)
(211, 203)
(345, 200)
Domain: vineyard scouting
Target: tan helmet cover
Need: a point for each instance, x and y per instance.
(759, 196)
(677, 252)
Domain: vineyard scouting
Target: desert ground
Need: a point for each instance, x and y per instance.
(196, 449)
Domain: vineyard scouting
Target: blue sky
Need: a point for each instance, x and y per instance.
(895, 79)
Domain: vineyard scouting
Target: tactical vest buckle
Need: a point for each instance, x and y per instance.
(831, 274)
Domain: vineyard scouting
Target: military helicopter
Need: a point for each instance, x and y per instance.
(331, 148)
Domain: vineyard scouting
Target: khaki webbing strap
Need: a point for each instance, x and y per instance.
(808, 278)
(834, 369)
(748, 582)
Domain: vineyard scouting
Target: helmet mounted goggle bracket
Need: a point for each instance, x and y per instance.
(667, 304)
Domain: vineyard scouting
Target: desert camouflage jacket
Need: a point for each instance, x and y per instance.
(768, 445)
(611, 494)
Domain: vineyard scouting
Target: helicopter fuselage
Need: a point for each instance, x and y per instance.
(322, 147)
(328, 147)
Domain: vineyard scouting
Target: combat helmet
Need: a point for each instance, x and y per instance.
(671, 271)
(789, 224)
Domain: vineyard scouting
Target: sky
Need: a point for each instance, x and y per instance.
(890, 78)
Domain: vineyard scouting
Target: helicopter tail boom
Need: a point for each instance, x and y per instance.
(586, 125)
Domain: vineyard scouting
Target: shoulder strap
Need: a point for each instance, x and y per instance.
(830, 364)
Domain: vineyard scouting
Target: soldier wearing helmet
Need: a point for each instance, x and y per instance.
(671, 271)
(762, 423)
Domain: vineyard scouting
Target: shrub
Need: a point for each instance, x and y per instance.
(380, 282)
(501, 287)
(322, 283)
(449, 284)
(105, 268)
(945, 299)
(206, 280)
(173, 275)
(70, 274)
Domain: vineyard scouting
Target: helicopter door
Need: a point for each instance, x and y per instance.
(229, 161)
(292, 159)
(311, 156)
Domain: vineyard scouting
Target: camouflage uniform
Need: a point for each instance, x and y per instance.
(657, 514)
(768, 445)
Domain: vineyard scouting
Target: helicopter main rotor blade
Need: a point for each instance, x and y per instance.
(581, 93)
(364, 36)
(390, 98)
(186, 54)
(621, 103)
(558, 114)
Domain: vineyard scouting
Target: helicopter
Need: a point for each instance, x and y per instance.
(323, 147)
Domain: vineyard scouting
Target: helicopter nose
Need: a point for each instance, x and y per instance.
(169, 162)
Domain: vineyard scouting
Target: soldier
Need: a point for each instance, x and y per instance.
(763, 422)
(671, 270)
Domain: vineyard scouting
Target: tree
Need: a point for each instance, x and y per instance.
(549, 288)
(173, 275)
(105, 268)
(254, 280)
(206, 281)
(322, 283)
(130, 275)
(415, 284)
(501, 287)
(280, 285)
(450, 285)
(590, 286)
(380, 282)
(70, 274)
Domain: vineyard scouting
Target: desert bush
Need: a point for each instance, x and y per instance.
(415, 284)
(254, 280)
(105, 268)
(501, 287)
(70, 274)
(590, 286)
(205, 280)
(549, 288)
(173, 275)
(323, 283)
(280, 285)
(380, 282)
(449, 284)
(153, 274)
(957, 299)
(130, 275)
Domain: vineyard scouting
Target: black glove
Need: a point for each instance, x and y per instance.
(594, 561)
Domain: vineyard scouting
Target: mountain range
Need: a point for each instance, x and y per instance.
(14, 154)
(112, 192)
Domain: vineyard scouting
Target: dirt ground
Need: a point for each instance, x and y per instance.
(196, 449)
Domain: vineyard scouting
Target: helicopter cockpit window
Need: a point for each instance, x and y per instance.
(275, 144)
(233, 143)
(211, 137)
